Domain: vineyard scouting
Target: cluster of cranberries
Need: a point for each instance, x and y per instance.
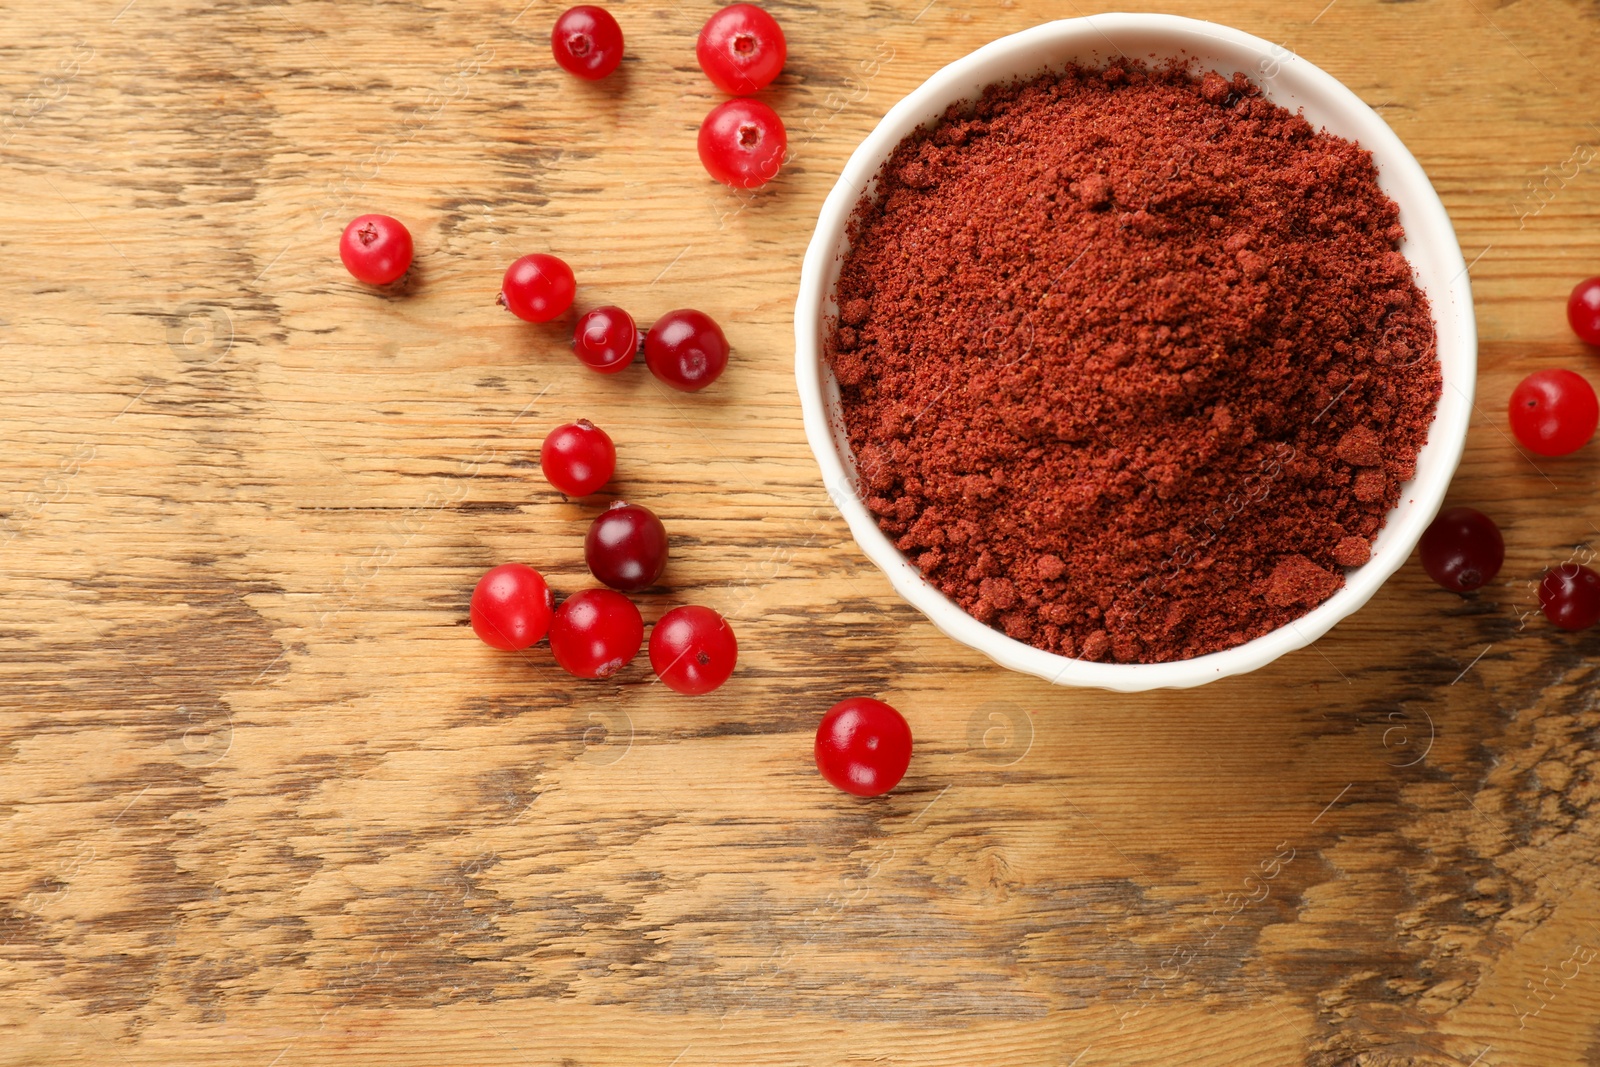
(741, 49)
(863, 746)
(597, 632)
(1553, 413)
(685, 348)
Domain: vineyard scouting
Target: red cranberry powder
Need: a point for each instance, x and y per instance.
(1131, 365)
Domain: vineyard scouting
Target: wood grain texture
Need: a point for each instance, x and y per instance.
(264, 799)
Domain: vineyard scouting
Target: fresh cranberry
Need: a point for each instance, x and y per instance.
(376, 249)
(595, 633)
(1583, 310)
(863, 746)
(693, 650)
(686, 349)
(742, 143)
(1554, 412)
(1462, 549)
(538, 288)
(1570, 596)
(626, 547)
(741, 49)
(606, 339)
(578, 458)
(587, 42)
(511, 607)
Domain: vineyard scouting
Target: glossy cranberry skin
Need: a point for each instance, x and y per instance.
(693, 650)
(1554, 412)
(538, 288)
(376, 249)
(863, 746)
(686, 349)
(742, 143)
(511, 607)
(578, 458)
(587, 42)
(741, 49)
(596, 633)
(606, 339)
(626, 547)
(1570, 596)
(1462, 549)
(1583, 311)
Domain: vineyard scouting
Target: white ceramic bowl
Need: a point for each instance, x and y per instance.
(1287, 80)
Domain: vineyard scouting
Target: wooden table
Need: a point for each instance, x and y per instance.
(265, 800)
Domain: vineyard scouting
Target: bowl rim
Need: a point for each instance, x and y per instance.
(1420, 498)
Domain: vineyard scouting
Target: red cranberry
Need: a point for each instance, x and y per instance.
(1554, 412)
(587, 42)
(376, 249)
(626, 547)
(578, 458)
(596, 633)
(1570, 596)
(693, 650)
(742, 143)
(1462, 549)
(511, 607)
(741, 49)
(606, 339)
(686, 349)
(538, 288)
(1583, 311)
(863, 746)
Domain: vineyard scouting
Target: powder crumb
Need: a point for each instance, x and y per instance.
(1096, 645)
(848, 367)
(998, 592)
(1254, 266)
(1370, 485)
(874, 466)
(1361, 447)
(1296, 580)
(1049, 567)
(1058, 613)
(854, 312)
(1352, 552)
(1016, 627)
(1222, 418)
(1214, 87)
(1094, 190)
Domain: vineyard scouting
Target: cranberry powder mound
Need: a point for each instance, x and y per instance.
(1131, 366)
